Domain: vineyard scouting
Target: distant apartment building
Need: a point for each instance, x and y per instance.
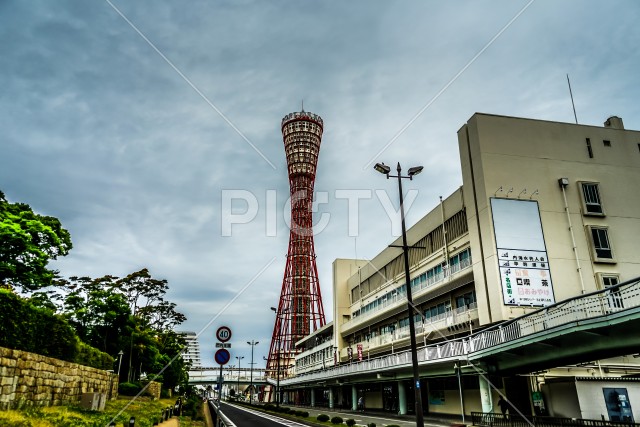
(191, 352)
(546, 212)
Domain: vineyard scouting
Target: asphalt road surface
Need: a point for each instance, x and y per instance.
(250, 418)
(242, 417)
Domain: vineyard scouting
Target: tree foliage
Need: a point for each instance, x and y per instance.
(24, 326)
(131, 315)
(28, 242)
(109, 314)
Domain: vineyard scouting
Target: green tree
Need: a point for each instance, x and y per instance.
(100, 316)
(132, 315)
(28, 242)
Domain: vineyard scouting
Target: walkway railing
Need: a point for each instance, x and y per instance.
(596, 304)
(490, 419)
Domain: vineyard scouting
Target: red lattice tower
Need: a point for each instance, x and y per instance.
(300, 308)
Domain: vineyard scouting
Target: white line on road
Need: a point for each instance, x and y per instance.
(273, 418)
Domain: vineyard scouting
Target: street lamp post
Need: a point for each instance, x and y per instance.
(120, 353)
(275, 310)
(239, 359)
(231, 367)
(277, 378)
(384, 169)
(252, 343)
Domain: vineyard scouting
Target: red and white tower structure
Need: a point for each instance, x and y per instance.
(300, 308)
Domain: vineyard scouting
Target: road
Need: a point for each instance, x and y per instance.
(242, 417)
(249, 418)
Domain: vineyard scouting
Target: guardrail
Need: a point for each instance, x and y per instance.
(219, 418)
(613, 299)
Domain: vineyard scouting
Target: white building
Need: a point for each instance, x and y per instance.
(191, 353)
(546, 212)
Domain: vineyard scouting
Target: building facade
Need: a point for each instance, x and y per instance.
(546, 212)
(191, 352)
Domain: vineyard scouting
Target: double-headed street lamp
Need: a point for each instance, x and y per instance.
(252, 343)
(384, 169)
(239, 359)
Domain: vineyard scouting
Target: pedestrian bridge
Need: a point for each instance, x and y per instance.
(210, 375)
(580, 329)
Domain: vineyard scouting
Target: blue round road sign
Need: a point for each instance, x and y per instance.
(222, 356)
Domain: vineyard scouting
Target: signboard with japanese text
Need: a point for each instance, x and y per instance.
(359, 347)
(522, 254)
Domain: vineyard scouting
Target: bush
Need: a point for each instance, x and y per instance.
(371, 425)
(336, 420)
(269, 407)
(129, 389)
(90, 356)
(35, 329)
(26, 327)
(193, 407)
(304, 414)
(322, 417)
(350, 422)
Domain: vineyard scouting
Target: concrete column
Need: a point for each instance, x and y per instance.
(330, 398)
(485, 395)
(354, 398)
(313, 397)
(402, 398)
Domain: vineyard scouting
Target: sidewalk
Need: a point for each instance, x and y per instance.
(173, 422)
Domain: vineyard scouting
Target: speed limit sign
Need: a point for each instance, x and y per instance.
(223, 334)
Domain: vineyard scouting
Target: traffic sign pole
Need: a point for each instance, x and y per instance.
(222, 356)
(220, 386)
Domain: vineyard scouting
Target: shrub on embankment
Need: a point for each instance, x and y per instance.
(38, 330)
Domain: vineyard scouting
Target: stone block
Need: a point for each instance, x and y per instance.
(6, 380)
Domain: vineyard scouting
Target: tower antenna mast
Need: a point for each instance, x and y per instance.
(572, 104)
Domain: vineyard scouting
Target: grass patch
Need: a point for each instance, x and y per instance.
(145, 410)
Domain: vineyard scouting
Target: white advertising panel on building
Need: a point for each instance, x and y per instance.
(522, 254)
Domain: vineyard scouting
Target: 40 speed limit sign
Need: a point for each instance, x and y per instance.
(223, 334)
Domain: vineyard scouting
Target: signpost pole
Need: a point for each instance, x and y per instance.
(220, 385)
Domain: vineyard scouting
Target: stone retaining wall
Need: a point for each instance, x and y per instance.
(28, 379)
(154, 389)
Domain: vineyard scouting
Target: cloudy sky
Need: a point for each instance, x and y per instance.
(135, 123)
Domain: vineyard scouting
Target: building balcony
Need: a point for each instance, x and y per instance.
(435, 327)
(440, 283)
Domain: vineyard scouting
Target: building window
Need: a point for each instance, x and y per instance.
(591, 199)
(614, 297)
(609, 280)
(606, 143)
(466, 300)
(601, 244)
(589, 149)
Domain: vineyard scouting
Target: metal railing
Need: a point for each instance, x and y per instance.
(219, 419)
(514, 420)
(596, 304)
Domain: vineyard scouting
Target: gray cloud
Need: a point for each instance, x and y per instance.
(99, 131)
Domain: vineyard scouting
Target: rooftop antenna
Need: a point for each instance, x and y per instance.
(303, 108)
(572, 104)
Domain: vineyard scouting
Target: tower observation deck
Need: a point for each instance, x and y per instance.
(300, 308)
